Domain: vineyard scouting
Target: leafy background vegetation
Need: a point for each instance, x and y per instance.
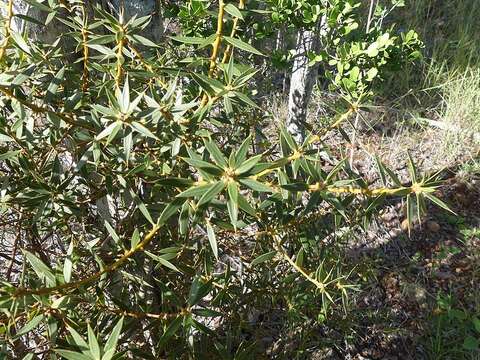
(155, 205)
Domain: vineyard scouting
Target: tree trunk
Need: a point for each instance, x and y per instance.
(302, 81)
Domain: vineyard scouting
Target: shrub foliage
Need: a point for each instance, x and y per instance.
(142, 214)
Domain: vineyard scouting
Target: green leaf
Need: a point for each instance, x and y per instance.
(143, 40)
(143, 130)
(295, 187)
(372, 50)
(247, 165)
(216, 154)
(72, 355)
(229, 71)
(242, 45)
(5, 138)
(212, 86)
(53, 87)
(288, 140)
(68, 265)
(470, 343)
(135, 239)
(256, 185)
(203, 165)
(245, 206)
(9, 155)
(438, 202)
(476, 324)
(198, 290)
(112, 232)
(141, 206)
(171, 330)
(410, 213)
(113, 128)
(264, 257)
(188, 40)
(211, 193)
(162, 261)
(242, 151)
(42, 270)
(32, 324)
(381, 171)
(372, 74)
(111, 344)
(169, 210)
(245, 99)
(232, 203)
(18, 39)
(207, 313)
(234, 11)
(412, 169)
(93, 343)
(194, 191)
(212, 239)
(79, 341)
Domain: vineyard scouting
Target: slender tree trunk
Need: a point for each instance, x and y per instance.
(302, 81)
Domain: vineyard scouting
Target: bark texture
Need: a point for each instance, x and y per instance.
(302, 81)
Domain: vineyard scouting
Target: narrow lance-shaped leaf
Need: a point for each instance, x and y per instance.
(93, 343)
(234, 11)
(232, 203)
(242, 45)
(162, 261)
(111, 344)
(57, 80)
(29, 326)
(248, 164)
(264, 257)
(68, 265)
(256, 185)
(171, 330)
(211, 193)
(197, 190)
(216, 153)
(242, 151)
(212, 239)
(42, 270)
(72, 355)
(439, 202)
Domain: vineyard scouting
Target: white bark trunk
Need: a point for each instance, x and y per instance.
(301, 83)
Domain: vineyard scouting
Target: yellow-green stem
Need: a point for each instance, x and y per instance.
(8, 25)
(295, 266)
(215, 46)
(229, 49)
(118, 77)
(107, 269)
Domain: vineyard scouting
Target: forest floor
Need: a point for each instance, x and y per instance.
(424, 300)
(419, 292)
(421, 299)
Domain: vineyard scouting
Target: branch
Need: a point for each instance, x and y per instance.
(108, 269)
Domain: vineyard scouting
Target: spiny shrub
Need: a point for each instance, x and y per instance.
(140, 217)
